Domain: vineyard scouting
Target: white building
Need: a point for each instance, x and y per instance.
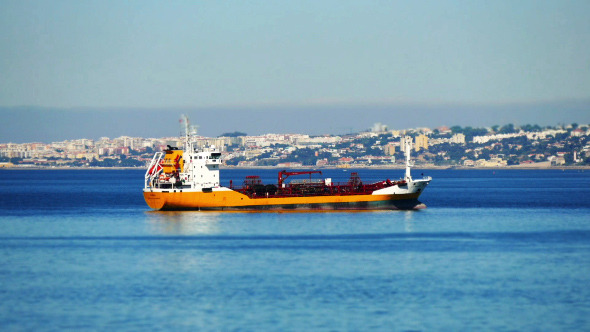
(458, 139)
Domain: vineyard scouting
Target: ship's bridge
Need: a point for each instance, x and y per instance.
(213, 159)
(202, 168)
(207, 158)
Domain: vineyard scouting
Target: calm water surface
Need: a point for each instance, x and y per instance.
(494, 250)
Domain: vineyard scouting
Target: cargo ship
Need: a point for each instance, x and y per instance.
(188, 179)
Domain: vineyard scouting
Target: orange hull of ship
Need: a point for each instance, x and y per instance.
(232, 200)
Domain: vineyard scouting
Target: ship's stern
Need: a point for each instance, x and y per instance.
(155, 200)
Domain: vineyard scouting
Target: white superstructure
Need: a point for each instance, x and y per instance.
(201, 169)
(194, 168)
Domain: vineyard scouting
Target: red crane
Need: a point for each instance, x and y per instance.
(283, 175)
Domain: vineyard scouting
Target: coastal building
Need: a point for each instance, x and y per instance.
(496, 137)
(319, 140)
(389, 149)
(249, 154)
(492, 162)
(468, 163)
(396, 133)
(219, 143)
(577, 133)
(444, 130)
(458, 139)
(290, 165)
(557, 161)
(345, 160)
(421, 143)
(6, 165)
(321, 162)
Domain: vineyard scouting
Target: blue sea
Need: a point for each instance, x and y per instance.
(495, 250)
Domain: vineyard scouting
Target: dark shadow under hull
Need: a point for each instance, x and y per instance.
(350, 206)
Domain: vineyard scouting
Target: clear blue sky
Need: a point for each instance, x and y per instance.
(244, 54)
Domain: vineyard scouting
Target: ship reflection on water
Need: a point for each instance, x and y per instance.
(183, 223)
(408, 221)
(212, 224)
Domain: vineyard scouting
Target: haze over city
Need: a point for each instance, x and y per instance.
(88, 69)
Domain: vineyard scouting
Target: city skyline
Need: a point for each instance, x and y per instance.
(499, 146)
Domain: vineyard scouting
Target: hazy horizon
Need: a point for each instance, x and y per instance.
(36, 124)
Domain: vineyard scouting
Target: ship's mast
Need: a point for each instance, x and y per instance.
(188, 131)
(407, 150)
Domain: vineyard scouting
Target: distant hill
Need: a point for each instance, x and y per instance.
(234, 134)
